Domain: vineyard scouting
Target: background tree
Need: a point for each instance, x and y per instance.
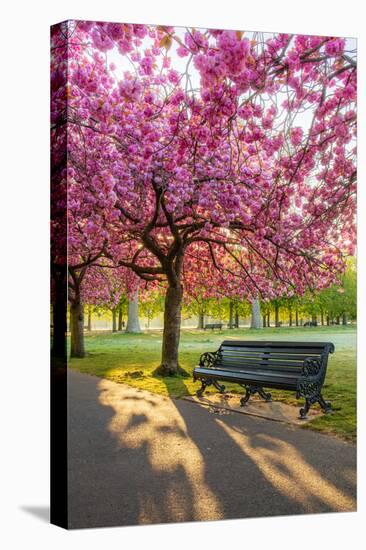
(122, 310)
(152, 304)
(256, 320)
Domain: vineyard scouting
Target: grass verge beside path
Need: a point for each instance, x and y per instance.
(131, 358)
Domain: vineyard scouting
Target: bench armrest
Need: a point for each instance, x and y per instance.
(312, 377)
(208, 359)
(311, 367)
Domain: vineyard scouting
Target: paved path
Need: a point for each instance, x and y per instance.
(139, 458)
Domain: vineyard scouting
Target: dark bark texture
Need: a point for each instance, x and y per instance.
(236, 319)
(171, 333)
(114, 319)
(120, 318)
(277, 316)
(77, 328)
(89, 318)
(231, 315)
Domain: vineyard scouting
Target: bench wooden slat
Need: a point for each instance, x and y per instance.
(266, 354)
(273, 380)
(275, 344)
(258, 364)
(283, 350)
(236, 373)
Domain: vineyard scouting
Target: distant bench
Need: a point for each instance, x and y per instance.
(213, 325)
(296, 366)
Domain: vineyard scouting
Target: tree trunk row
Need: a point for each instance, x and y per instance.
(114, 319)
(120, 319)
(256, 320)
(277, 315)
(133, 323)
(231, 315)
(77, 347)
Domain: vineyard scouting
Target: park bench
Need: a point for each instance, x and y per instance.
(213, 325)
(296, 366)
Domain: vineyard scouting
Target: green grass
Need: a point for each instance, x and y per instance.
(131, 359)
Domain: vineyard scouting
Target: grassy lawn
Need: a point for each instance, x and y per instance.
(130, 359)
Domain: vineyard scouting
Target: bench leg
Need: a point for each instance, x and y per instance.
(204, 384)
(325, 405)
(251, 390)
(218, 386)
(305, 409)
(266, 396)
(244, 400)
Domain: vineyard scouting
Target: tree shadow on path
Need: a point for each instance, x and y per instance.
(139, 458)
(256, 467)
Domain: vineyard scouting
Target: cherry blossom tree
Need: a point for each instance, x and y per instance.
(246, 152)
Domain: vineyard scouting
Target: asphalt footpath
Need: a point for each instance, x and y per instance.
(139, 458)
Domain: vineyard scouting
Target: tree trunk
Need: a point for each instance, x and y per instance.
(328, 321)
(290, 317)
(133, 323)
(171, 334)
(344, 319)
(231, 315)
(201, 320)
(114, 319)
(236, 319)
(77, 328)
(89, 319)
(264, 320)
(338, 320)
(322, 317)
(277, 316)
(268, 319)
(120, 318)
(297, 317)
(256, 320)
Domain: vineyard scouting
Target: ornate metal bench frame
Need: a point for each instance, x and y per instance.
(309, 383)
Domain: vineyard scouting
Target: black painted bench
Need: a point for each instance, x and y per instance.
(296, 366)
(213, 325)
